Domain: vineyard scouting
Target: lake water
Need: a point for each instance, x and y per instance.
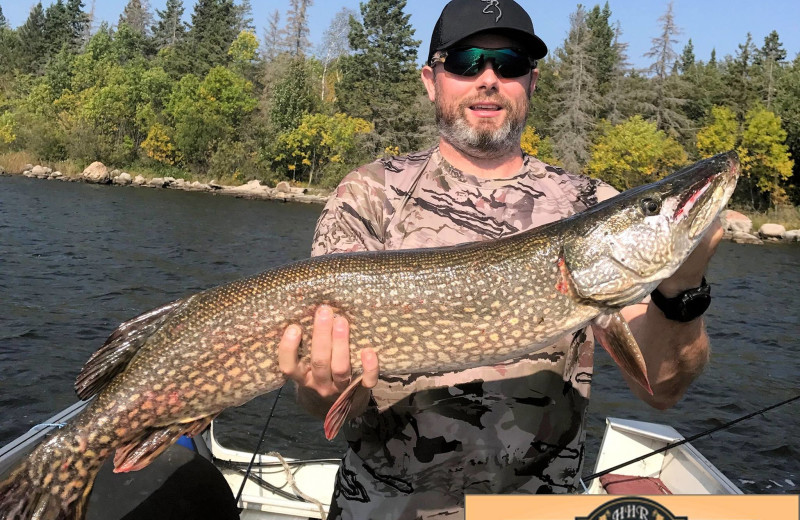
(76, 260)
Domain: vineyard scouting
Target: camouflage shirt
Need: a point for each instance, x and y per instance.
(516, 427)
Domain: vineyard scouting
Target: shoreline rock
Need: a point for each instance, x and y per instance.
(98, 173)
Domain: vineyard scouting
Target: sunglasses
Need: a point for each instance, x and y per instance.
(508, 63)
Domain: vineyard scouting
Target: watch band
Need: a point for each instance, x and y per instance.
(685, 307)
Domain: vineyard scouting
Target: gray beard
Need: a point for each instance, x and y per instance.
(481, 143)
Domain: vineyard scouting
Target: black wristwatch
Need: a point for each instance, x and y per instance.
(687, 306)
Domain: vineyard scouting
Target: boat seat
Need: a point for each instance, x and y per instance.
(615, 484)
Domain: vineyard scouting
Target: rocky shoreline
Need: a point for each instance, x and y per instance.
(98, 173)
(738, 227)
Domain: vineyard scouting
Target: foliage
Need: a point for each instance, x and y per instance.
(380, 80)
(634, 152)
(720, 134)
(764, 154)
(318, 141)
(159, 147)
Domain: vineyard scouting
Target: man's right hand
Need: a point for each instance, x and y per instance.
(326, 372)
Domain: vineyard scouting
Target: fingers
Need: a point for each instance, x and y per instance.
(287, 352)
(321, 349)
(340, 353)
(371, 368)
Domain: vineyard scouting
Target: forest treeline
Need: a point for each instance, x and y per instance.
(210, 98)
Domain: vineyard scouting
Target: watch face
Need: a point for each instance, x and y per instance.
(694, 305)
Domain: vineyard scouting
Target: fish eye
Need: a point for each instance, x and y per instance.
(651, 206)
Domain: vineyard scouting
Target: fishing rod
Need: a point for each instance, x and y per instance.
(687, 439)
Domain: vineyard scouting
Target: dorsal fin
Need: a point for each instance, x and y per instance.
(120, 348)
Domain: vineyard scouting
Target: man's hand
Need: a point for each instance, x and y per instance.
(326, 372)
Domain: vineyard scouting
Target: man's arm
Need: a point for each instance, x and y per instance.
(675, 353)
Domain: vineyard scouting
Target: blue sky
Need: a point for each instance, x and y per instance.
(711, 24)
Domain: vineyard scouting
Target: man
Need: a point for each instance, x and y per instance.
(512, 428)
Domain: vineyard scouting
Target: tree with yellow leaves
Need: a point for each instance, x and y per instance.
(634, 152)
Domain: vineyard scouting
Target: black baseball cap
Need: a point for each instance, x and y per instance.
(463, 18)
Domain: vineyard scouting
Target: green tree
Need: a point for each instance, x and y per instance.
(292, 97)
(743, 93)
(770, 59)
(668, 88)
(602, 48)
(787, 106)
(3, 21)
(380, 80)
(169, 28)
(317, 142)
(633, 153)
(137, 16)
(765, 155)
(243, 54)
(720, 134)
(576, 99)
(211, 34)
(209, 112)
(244, 17)
(33, 43)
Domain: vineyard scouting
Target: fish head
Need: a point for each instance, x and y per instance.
(617, 255)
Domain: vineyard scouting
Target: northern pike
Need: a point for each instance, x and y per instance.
(170, 371)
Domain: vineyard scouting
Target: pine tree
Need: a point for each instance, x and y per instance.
(244, 17)
(57, 27)
(211, 34)
(739, 72)
(137, 16)
(169, 29)
(33, 43)
(770, 58)
(602, 46)
(80, 22)
(687, 59)
(3, 21)
(380, 79)
(621, 99)
(272, 37)
(577, 97)
(668, 88)
(295, 34)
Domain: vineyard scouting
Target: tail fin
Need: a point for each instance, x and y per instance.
(50, 484)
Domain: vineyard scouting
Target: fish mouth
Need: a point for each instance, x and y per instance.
(703, 198)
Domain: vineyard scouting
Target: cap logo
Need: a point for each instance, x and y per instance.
(490, 4)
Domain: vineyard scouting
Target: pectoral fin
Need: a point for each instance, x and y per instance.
(340, 410)
(612, 331)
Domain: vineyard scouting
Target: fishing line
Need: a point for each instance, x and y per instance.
(258, 447)
(688, 439)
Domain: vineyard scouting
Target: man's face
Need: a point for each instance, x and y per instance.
(482, 115)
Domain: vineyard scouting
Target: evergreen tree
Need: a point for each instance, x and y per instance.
(292, 97)
(33, 44)
(380, 79)
(620, 100)
(80, 22)
(770, 59)
(137, 16)
(57, 27)
(668, 88)
(739, 74)
(272, 37)
(169, 29)
(602, 47)
(295, 34)
(687, 59)
(211, 34)
(3, 21)
(787, 106)
(577, 98)
(244, 17)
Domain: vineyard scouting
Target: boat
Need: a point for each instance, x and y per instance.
(271, 487)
